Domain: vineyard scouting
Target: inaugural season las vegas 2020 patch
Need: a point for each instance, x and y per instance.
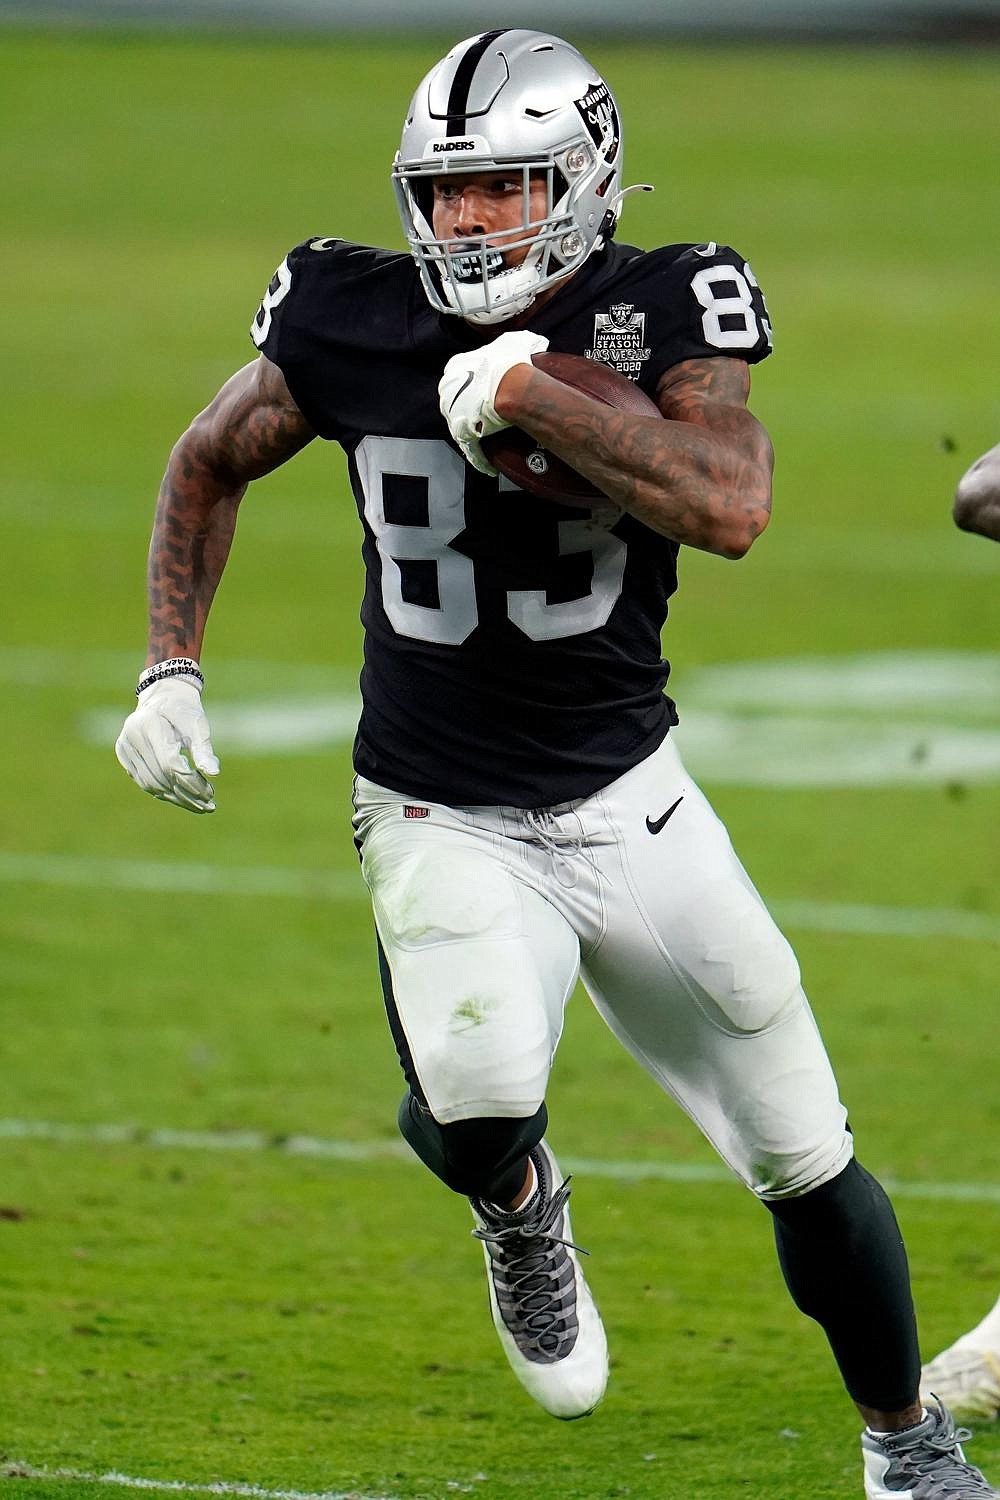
(618, 339)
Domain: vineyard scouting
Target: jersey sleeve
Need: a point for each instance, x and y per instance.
(288, 326)
(713, 306)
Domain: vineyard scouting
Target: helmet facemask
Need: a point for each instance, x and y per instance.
(475, 277)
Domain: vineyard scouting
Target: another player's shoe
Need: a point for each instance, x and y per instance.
(925, 1462)
(966, 1379)
(550, 1330)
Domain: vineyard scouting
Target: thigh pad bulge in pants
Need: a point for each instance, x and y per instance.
(433, 896)
(479, 973)
(741, 970)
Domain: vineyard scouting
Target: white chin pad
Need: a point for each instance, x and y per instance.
(512, 290)
(468, 302)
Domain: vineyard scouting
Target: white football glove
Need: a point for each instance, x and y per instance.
(165, 744)
(469, 384)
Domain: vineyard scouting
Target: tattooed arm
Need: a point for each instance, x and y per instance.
(251, 427)
(702, 476)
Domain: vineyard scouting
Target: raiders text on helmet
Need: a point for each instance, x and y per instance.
(526, 103)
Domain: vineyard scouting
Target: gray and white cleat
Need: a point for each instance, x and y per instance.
(549, 1327)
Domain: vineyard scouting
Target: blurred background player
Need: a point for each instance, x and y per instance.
(967, 1374)
(521, 809)
(977, 499)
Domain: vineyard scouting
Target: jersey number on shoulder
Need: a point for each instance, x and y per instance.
(276, 292)
(730, 319)
(457, 614)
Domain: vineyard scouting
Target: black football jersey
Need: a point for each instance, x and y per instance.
(512, 644)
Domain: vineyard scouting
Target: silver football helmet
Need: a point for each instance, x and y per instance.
(527, 103)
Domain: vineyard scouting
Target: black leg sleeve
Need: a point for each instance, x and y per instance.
(484, 1158)
(843, 1260)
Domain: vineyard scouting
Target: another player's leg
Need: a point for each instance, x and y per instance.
(697, 981)
(966, 1375)
(476, 973)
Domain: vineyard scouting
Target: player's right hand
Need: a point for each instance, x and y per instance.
(469, 384)
(166, 747)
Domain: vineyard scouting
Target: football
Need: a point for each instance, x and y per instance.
(533, 468)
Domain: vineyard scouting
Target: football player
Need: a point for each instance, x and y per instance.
(967, 1374)
(520, 807)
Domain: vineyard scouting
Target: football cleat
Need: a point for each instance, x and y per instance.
(925, 1462)
(549, 1327)
(967, 1380)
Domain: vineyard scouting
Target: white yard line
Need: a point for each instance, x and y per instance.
(200, 1140)
(394, 1150)
(887, 921)
(901, 718)
(90, 872)
(14, 1470)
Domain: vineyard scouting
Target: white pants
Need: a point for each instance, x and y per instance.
(487, 915)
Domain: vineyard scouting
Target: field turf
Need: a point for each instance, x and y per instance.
(216, 1308)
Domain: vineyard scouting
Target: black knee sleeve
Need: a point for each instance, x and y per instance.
(483, 1158)
(844, 1263)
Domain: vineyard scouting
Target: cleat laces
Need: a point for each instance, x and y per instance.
(940, 1458)
(533, 1274)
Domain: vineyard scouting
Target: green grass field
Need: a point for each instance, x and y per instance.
(174, 1308)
